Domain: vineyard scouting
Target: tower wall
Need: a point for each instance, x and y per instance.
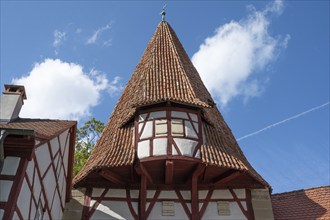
(107, 203)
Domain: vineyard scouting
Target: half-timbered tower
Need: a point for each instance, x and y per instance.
(166, 151)
(36, 161)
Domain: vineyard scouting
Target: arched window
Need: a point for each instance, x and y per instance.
(168, 132)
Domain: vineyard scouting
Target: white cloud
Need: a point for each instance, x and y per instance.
(115, 87)
(59, 37)
(228, 60)
(93, 39)
(61, 90)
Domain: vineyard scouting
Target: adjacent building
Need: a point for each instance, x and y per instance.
(166, 151)
(36, 161)
(312, 203)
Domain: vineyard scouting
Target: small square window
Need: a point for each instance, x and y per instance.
(223, 208)
(168, 208)
(161, 127)
(177, 127)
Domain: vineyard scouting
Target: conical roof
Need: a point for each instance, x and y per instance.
(165, 73)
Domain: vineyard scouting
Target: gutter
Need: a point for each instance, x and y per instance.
(4, 132)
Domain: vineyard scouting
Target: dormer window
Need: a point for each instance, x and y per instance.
(169, 132)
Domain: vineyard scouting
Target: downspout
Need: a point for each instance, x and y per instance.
(4, 132)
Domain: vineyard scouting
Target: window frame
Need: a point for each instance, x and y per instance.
(168, 117)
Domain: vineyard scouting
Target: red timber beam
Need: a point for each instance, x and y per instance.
(15, 190)
(141, 170)
(226, 177)
(249, 204)
(113, 177)
(152, 203)
(206, 202)
(87, 201)
(143, 198)
(245, 212)
(195, 215)
(183, 203)
(97, 202)
(130, 206)
(145, 177)
(72, 132)
(169, 166)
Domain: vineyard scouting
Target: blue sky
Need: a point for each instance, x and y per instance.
(265, 63)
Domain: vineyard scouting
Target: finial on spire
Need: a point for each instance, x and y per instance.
(163, 13)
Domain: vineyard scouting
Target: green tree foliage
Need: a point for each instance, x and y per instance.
(86, 138)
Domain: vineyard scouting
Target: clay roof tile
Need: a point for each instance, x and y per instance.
(165, 73)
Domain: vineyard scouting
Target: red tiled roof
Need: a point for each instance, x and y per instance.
(44, 128)
(165, 73)
(311, 203)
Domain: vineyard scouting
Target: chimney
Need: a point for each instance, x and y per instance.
(11, 102)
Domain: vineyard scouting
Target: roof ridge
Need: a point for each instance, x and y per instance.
(301, 190)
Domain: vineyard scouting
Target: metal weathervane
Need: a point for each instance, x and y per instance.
(163, 13)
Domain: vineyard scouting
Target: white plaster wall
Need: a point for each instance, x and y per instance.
(240, 193)
(261, 204)
(144, 149)
(150, 193)
(56, 163)
(33, 210)
(186, 146)
(97, 192)
(46, 216)
(56, 210)
(211, 212)
(30, 170)
(36, 186)
(190, 132)
(43, 157)
(118, 193)
(23, 201)
(195, 125)
(221, 194)
(112, 210)
(134, 194)
(185, 194)
(167, 195)
(63, 192)
(10, 165)
(193, 117)
(147, 131)
(120, 210)
(15, 216)
(160, 146)
(202, 194)
(54, 145)
(65, 158)
(5, 186)
(174, 151)
(156, 212)
(54, 194)
(49, 183)
(63, 139)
